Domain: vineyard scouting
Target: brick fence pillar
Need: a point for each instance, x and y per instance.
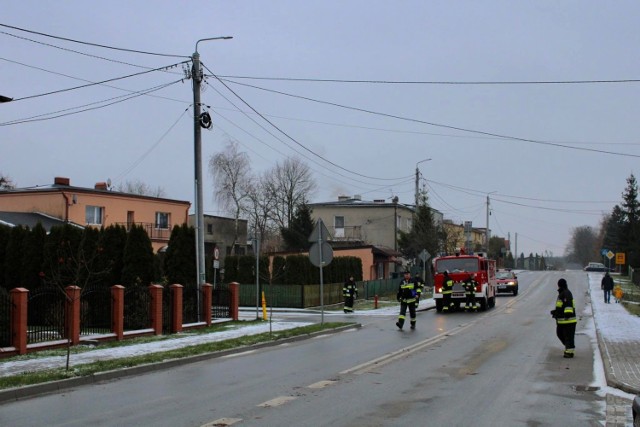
(19, 297)
(72, 314)
(117, 311)
(176, 308)
(155, 311)
(206, 303)
(234, 288)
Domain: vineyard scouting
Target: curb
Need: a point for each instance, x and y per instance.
(18, 393)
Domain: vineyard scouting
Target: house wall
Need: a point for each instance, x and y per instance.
(220, 232)
(70, 205)
(376, 223)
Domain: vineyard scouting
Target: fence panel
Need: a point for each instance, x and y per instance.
(5, 318)
(221, 302)
(137, 307)
(190, 302)
(46, 315)
(381, 287)
(167, 302)
(95, 310)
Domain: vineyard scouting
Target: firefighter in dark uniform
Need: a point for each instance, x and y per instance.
(447, 291)
(470, 293)
(566, 320)
(349, 292)
(407, 296)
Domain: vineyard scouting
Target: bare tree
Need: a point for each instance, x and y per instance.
(290, 184)
(6, 183)
(140, 188)
(259, 208)
(231, 174)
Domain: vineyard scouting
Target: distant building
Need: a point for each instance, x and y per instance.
(219, 232)
(375, 222)
(93, 207)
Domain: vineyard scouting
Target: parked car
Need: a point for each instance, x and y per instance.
(507, 282)
(635, 408)
(596, 266)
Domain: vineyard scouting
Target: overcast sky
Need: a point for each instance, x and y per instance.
(550, 156)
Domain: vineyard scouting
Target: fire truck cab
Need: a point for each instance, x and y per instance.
(460, 266)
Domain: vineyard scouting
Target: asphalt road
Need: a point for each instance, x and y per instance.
(500, 367)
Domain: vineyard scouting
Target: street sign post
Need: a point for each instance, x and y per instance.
(320, 254)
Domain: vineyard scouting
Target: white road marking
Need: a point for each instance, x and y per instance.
(277, 401)
(321, 384)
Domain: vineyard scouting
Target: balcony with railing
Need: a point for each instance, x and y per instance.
(154, 231)
(346, 233)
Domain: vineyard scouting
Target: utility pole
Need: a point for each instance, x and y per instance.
(418, 182)
(196, 77)
(516, 257)
(486, 234)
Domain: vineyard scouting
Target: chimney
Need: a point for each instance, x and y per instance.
(100, 186)
(58, 180)
(357, 197)
(343, 198)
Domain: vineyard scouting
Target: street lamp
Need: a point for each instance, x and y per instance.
(196, 75)
(418, 179)
(5, 99)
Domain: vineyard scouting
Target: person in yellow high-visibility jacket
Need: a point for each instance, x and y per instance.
(618, 293)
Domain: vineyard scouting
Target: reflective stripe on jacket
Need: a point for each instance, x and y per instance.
(447, 287)
(565, 311)
(407, 291)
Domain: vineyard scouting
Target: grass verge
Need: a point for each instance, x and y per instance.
(30, 378)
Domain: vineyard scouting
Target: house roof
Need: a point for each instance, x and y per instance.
(100, 188)
(357, 202)
(29, 219)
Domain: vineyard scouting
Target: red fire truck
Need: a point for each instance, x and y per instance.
(460, 266)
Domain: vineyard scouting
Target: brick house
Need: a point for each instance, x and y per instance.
(96, 207)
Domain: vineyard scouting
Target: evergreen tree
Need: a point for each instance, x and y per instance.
(113, 240)
(33, 257)
(5, 232)
(296, 235)
(60, 265)
(180, 258)
(13, 257)
(423, 233)
(138, 258)
(614, 230)
(631, 212)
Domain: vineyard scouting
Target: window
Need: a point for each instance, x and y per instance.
(162, 220)
(209, 228)
(94, 215)
(338, 226)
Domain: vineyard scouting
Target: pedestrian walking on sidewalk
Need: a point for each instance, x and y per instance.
(566, 320)
(349, 292)
(607, 287)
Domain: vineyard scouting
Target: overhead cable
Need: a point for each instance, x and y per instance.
(92, 44)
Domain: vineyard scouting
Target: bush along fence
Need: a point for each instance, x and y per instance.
(49, 317)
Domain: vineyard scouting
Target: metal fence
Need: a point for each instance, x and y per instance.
(221, 302)
(95, 310)
(137, 305)
(191, 297)
(167, 301)
(5, 318)
(45, 318)
(303, 296)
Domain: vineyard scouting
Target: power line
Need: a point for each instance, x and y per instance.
(92, 44)
(393, 116)
(433, 82)
(98, 83)
(118, 99)
(294, 140)
(85, 80)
